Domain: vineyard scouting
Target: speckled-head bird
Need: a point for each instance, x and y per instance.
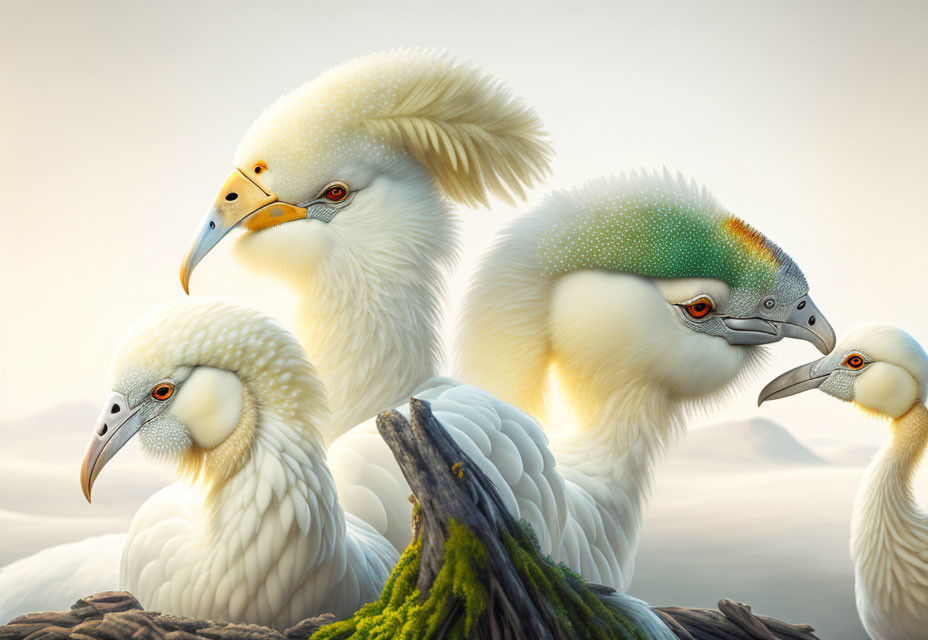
(631, 299)
(640, 297)
(343, 188)
(255, 532)
(884, 371)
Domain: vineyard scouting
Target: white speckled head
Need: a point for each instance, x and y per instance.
(227, 367)
(391, 133)
(879, 367)
(876, 366)
(352, 122)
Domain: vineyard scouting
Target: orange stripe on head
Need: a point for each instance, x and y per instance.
(751, 238)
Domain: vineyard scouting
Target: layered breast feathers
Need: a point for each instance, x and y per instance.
(508, 446)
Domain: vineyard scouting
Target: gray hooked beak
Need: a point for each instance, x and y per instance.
(115, 427)
(804, 321)
(802, 378)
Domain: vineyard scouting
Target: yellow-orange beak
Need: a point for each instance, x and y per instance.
(241, 201)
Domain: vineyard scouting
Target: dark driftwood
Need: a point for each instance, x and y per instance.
(448, 486)
(732, 620)
(116, 615)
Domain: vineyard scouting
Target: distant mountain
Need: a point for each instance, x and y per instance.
(753, 441)
(51, 432)
(40, 463)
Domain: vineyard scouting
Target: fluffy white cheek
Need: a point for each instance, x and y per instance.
(209, 403)
(702, 363)
(886, 389)
(618, 325)
(289, 250)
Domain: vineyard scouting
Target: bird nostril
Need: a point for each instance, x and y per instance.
(802, 305)
(101, 431)
(115, 409)
(811, 320)
(231, 196)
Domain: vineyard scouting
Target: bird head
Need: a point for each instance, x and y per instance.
(876, 366)
(707, 287)
(191, 378)
(359, 158)
(637, 281)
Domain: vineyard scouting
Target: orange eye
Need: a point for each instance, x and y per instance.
(699, 309)
(336, 193)
(261, 166)
(853, 361)
(162, 391)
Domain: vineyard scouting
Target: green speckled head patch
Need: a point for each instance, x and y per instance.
(659, 227)
(659, 235)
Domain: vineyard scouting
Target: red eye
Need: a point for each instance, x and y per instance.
(336, 193)
(699, 309)
(162, 391)
(853, 361)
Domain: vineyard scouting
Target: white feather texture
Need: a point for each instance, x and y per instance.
(610, 345)
(209, 404)
(406, 131)
(889, 530)
(260, 536)
(464, 126)
(571, 517)
(889, 537)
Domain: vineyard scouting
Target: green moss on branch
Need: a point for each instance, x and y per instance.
(401, 612)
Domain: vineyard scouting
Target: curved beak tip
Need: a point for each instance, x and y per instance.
(86, 479)
(830, 341)
(186, 270)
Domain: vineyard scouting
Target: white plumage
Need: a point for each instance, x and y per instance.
(571, 516)
(607, 343)
(884, 371)
(259, 536)
(401, 130)
(404, 131)
(400, 133)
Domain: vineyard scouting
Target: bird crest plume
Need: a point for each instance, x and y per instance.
(462, 124)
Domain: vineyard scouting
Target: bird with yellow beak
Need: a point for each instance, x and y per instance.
(344, 187)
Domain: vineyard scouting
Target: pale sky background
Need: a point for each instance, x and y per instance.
(118, 122)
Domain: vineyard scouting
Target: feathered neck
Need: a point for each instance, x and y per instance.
(619, 431)
(368, 315)
(264, 546)
(889, 532)
(885, 504)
